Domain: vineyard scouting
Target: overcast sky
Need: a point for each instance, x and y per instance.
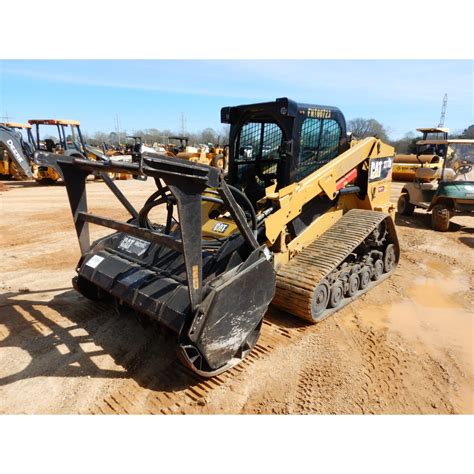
(402, 95)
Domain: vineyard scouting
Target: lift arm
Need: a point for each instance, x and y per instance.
(291, 199)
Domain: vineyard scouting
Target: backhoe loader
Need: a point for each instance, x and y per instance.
(67, 141)
(16, 152)
(302, 221)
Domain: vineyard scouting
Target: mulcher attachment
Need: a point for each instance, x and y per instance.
(191, 285)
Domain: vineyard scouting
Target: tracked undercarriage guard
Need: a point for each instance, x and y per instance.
(191, 285)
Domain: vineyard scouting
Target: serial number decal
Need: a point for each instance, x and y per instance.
(319, 113)
(195, 277)
(380, 168)
(94, 261)
(134, 245)
(220, 227)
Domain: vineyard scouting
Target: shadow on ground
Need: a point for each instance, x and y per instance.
(64, 336)
(57, 335)
(423, 221)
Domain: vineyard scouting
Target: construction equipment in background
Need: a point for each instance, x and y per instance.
(61, 137)
(429, 155)
(16, 153)
(64, 139)
(444, 191)
(213, 156)
(302, 220)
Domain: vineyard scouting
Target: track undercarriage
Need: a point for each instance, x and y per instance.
(339, 266)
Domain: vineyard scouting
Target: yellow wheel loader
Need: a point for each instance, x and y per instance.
(301, 221)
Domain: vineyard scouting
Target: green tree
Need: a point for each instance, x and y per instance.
(469, 132)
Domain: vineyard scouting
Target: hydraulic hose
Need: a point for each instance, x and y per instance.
(239, 195)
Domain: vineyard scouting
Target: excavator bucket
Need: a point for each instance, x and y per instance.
(190, 284)
(12, 142)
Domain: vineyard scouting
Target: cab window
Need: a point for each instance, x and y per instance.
(258, 151)
(319, 144)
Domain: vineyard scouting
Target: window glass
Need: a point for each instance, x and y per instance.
(258, 148)
(319, 144)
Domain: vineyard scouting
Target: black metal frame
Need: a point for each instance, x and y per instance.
(186, 181)
(289, 116)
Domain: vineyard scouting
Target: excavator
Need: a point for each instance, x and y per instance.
(302, 221)
(16, 153)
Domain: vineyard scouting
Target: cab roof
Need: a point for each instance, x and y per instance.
(53, 122)
(433, 130)
(454, 141)
(282, 106)
(15, 125)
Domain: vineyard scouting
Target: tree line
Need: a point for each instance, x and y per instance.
(359, 127)
(151, 136)
(362, 128)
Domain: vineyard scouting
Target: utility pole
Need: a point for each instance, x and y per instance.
(6, 118)
(117, 127)
(443, 111)
(183, 124)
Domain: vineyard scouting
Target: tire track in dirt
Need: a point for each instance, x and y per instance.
(130, 397)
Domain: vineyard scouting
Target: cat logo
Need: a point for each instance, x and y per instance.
(380, 168)
(14, 151)
(220, 227)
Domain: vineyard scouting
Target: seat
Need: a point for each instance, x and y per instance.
(431, 186)
(427, 174)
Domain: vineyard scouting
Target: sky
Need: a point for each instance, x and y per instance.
(402, 95)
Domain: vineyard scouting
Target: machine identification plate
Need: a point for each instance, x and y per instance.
(94, 261)
(319, 113)
(133, 245)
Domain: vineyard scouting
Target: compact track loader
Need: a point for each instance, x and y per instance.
(302, 220)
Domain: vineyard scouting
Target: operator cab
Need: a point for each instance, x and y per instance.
(183, 144)
(274, 144)
(433, 142)
(60, 136)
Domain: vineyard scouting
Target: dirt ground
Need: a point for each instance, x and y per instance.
(405, 347)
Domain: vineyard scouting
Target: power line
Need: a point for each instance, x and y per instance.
(117, 127)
